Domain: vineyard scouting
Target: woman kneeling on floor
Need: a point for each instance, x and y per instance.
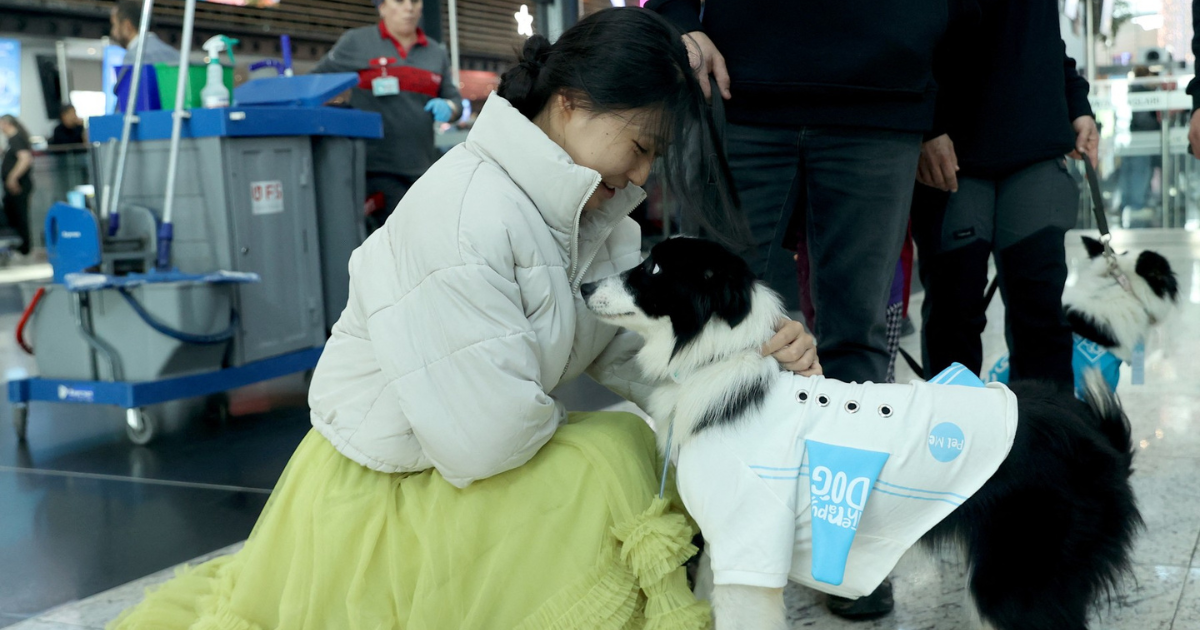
(442, 486)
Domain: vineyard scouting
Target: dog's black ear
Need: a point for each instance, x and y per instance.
(1094, 247)
(688, 323)
(1157, 273)
(733, 299)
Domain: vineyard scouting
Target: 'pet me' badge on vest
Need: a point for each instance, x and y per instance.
(946, 442)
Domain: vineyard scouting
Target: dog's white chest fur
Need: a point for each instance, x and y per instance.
(756, 488)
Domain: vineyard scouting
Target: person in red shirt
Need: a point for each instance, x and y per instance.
(406, 77)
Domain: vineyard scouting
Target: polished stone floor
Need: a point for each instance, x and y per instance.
(88, 521)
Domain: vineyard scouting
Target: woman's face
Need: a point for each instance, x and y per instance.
(619, 145)
(6, 128)
(401, 16)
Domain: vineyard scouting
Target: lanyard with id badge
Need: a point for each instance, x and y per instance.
(384, 85)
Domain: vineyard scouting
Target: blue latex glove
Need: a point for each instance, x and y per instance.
(440, 108)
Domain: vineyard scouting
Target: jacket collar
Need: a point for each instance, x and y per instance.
(544, 172)
(400, 49)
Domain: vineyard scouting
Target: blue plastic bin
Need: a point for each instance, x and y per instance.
(148, 95)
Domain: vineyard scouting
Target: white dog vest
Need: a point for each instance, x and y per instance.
(832, 482)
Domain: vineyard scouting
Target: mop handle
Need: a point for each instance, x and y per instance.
(114, 220)
(166, 231)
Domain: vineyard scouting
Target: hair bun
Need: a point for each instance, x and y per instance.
(521, 85)
(534, 54)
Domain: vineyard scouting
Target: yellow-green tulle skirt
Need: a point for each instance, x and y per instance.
(576, 538)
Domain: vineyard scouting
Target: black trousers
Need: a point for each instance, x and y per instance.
(393, 187)
(851, 189)
(16, 215)
(1021, 219)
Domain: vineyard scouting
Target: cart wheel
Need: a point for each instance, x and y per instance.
(21, 421)
(216, 411)
(140, 426)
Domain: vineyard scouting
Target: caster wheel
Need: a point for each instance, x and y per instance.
(216, 412)
(140, 426)
(21, 421)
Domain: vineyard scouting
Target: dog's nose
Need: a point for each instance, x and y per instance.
(588, 289)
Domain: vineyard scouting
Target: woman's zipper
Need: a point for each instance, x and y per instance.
(612, 225)
(578, 271)
(575, 227)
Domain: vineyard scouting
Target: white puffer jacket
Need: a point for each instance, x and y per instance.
(464, 309)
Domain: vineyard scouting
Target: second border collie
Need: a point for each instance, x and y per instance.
(1112, 311)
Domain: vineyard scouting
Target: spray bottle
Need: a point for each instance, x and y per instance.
(215, 93)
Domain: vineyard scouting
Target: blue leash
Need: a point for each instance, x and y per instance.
(662, 485)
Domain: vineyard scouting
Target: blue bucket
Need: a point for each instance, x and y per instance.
(148, 95)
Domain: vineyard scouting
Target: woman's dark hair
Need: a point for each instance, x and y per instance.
(630, 58)
(12, 120)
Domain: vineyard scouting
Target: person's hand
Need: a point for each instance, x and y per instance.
(1194, 134)
(13, 186)
(794, 348)
(706, 60)
(938, 166)
(1087, 140)
(440, 108)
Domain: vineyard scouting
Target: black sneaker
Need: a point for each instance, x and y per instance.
(873, 606)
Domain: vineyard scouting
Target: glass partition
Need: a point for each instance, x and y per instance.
(1149, 179)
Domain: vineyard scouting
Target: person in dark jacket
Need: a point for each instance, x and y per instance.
(70, 129)
(16, 175)
(995, 181)
(826, 105)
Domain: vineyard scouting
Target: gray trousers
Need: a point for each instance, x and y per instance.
(850, 190)
(1022, 219)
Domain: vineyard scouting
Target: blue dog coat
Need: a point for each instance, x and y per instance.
(1086, 354)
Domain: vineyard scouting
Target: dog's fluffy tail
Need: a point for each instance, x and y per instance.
(1113, 424)
(1106, 409)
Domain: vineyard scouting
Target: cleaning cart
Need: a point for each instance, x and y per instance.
(218, 257)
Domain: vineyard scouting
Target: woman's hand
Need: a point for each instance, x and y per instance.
(13, 185)
(794, 348)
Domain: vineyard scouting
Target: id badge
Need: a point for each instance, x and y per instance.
(385, 86)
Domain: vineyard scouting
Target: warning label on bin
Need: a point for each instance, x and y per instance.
(266, 197)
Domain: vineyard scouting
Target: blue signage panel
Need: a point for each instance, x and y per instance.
(113, 57)
(10, 77)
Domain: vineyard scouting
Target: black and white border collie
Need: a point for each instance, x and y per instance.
(1045, 537)
(1116, 318)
